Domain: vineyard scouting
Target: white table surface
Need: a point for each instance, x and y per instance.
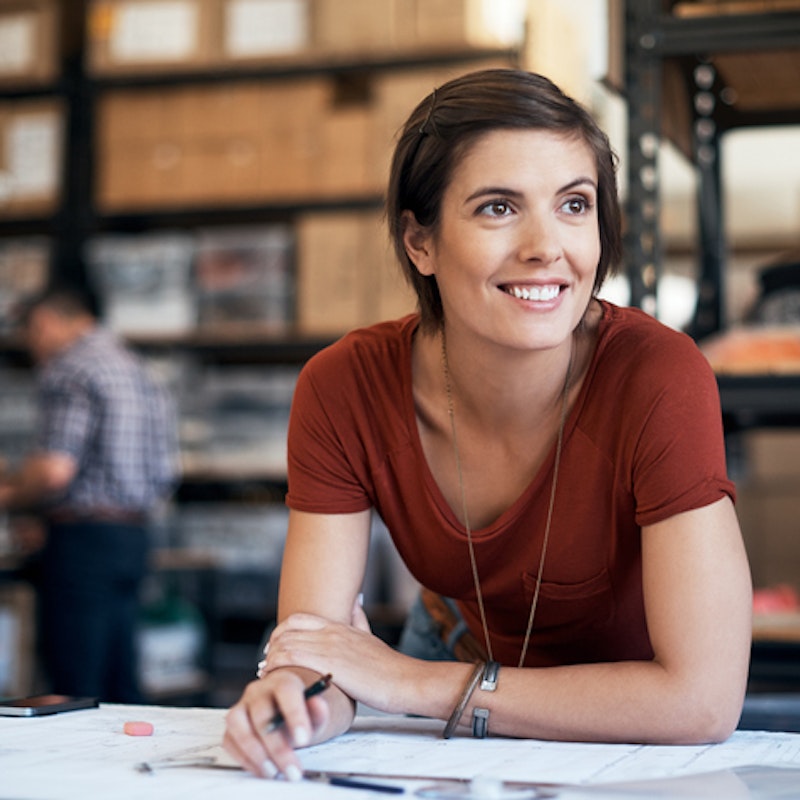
(85, 754)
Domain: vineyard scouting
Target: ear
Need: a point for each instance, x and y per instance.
(417, 240)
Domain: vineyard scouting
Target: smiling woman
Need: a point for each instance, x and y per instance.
(550, 466)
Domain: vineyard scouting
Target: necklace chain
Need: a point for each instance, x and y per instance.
(465, 513)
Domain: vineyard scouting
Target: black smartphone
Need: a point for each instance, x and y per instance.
(42, 704)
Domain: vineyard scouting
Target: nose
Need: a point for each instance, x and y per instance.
(540, 239)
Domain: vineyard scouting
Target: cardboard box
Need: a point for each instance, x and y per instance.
(254, 30)
(31, 146)
(773, 455)
(300, 138)
(347, 275)
(292, 113)
(135, 36)
(160, 147)
(140, 175)
(350, 26)
(462, 23)
(29, 47)
(768, 514)
(395, 94)
(237, 143)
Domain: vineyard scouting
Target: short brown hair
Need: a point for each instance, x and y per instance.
(443, 126)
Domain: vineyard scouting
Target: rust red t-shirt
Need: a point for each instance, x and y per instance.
(642, 443)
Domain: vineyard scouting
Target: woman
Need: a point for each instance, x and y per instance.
(551, 463)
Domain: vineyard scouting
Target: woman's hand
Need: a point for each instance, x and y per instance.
(305, 720)
(362, 665)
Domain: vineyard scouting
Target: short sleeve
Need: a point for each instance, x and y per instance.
(65, 417)
(679, 456)
(322, 442)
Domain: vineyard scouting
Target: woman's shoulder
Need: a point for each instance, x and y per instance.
(632, 335)
(375, 346)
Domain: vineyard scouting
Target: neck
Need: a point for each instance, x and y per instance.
(505, 389)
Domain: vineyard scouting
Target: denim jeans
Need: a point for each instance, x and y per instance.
(421, 639)
(89, 604)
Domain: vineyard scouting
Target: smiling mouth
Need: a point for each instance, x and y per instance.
(540, 293)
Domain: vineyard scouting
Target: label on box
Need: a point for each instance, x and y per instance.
(265, 27)
(32, 151)
(17, 37)
(157, 31)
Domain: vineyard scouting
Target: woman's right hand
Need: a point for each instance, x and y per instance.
(307, 721)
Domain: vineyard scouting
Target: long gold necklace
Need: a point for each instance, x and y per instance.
(465, 514)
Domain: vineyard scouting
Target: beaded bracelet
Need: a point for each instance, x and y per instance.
(471, 684)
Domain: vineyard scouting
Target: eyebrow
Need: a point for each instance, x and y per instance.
(504, 190)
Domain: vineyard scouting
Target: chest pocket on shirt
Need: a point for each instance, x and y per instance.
(564, 609)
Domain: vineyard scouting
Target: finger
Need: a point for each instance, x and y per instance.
(319, 712)
(295, 724)
(242, 744)
(298, 648)
(298, 622)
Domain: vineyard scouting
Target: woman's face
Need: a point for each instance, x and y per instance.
(517, 245)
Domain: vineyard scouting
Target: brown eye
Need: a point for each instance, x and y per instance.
(496, 208)
(577, 205)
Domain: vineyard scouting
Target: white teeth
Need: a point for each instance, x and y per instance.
(534, 292)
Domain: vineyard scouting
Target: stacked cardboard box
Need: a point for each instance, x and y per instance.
(233, 143)
(28, 50)
(149, 35)
(302, 138)
(347, 273)
(129, 36)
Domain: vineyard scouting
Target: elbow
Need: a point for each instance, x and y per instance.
(709, 721)
(715, 727)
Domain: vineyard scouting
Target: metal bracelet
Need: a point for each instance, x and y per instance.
(490, 675)
(480, 722)
(470, 687)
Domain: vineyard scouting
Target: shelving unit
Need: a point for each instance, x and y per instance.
(79, 216)
(693, 72)
(692, 78)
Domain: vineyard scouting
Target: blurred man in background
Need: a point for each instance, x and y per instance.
(105, 457)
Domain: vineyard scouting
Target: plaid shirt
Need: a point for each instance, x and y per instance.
(98, 405)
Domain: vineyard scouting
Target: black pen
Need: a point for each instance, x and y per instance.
(315, 688)
(351, 783)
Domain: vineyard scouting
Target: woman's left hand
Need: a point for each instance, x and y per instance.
(362, 665)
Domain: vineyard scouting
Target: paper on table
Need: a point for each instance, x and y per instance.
(413, 748)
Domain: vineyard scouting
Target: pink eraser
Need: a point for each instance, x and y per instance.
(138, 728)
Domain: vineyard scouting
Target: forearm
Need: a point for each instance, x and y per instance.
(624, 701)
